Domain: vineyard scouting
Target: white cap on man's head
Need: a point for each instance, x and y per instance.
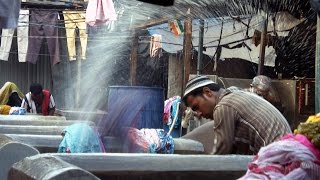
(197, 82)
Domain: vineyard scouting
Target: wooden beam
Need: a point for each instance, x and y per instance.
(187, 48)
(263, 47)
(317, 69)
(175, 76)
(200, 49)
(134, 60)
(154, 22)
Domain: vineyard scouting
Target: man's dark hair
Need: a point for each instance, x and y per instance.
(36, 88)
(199, 91)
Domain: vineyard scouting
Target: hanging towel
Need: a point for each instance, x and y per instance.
(100, 11)
(156, 46)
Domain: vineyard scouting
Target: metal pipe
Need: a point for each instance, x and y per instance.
(200, 48)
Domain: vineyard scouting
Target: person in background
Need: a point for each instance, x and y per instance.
(39, 101)
(262, 86)
(11, 95)
(242, 122)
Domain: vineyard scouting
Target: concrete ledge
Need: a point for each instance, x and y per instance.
(35, 130)
(47, 167)
(50, 143)
(156, 165)
(12, 152)
(31, 117)
(43, 122)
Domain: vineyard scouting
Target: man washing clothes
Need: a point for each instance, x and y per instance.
(242, 121)
(39, 101)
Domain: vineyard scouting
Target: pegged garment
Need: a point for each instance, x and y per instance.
(9, 13)
(73, 20)
(17, 111)
(43, 24)
(149, 141)
(156, 46)
(293, 157)
(80, 138)
(99, 12)
(22, 38)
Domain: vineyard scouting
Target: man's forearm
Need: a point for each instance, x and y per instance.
(51, 112)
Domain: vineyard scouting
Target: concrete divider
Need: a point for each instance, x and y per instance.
(31, 117)
(35, 130)
(159, 166)
(43, 122)
(47, 167)
(50, 143)
(12, 152)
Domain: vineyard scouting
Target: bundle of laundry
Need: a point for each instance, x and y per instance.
(149, 141)
(310, 129)
(171, 111)
(80, 138)
(17, 111)
(293, 157)
(5, 109)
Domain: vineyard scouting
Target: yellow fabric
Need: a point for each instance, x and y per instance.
(5, 109)
(312, 119)
(7, 89)
(310, 129)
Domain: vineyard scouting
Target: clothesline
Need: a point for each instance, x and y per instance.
(62, 55)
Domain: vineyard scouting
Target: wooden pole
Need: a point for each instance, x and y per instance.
(200, 49)
(263, 47)
(134, 60)
(187, 47)
(317, 69)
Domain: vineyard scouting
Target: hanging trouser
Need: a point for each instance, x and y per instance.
(22, 38)
(6, 41)
(43, 24)
(74, 19)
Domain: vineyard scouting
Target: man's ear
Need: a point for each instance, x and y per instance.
(206, 91)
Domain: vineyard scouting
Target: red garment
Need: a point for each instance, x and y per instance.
(45, 102)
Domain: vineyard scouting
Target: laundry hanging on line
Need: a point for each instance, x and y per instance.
(43, 24)
(100, 11)
(75, 20)
(22, 38)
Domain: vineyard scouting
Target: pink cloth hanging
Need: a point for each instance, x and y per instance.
(100, 11)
